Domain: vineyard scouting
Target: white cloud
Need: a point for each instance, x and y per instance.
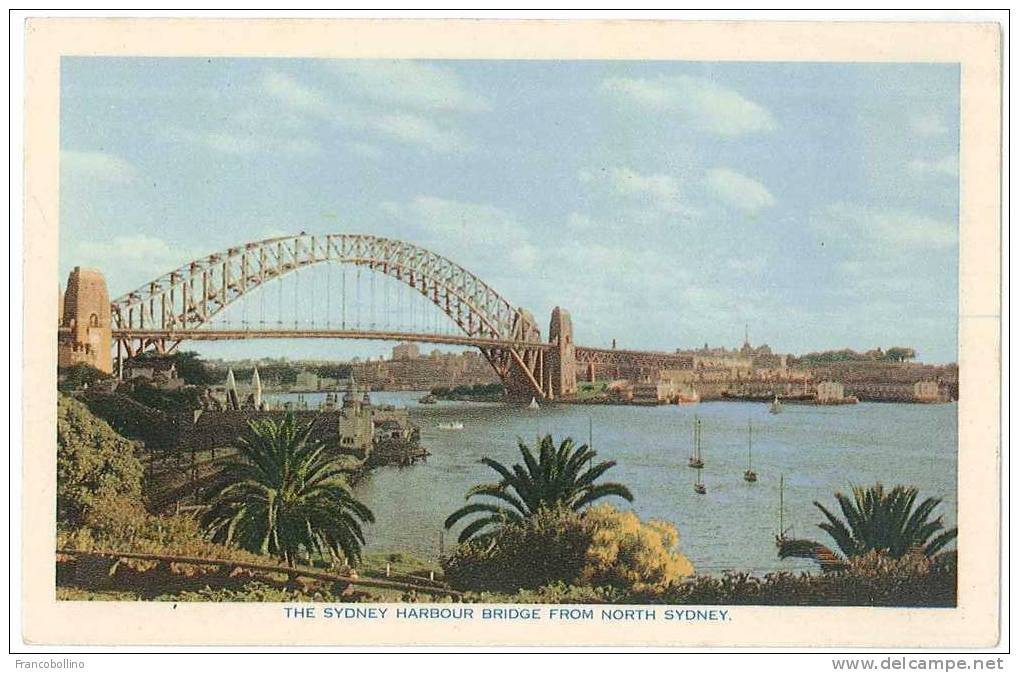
(100, 166)
(928, 124)
(132, 253)
(365, 150)
(706, 105)
(947, 166)
(580, 222)
(417, 130)
(292, 93)
(413, 84)
(739, 191)
(401, 126)
(660, 191)
(886, 232)
(480, 235)
(248, 142)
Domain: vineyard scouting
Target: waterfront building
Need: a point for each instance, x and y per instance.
(830, 391)
(927, 391)
(405, 352)
(355, 426)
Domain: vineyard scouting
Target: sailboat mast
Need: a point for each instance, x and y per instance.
(781, 505)
(590, 441)
(750, 441)
(698, 446)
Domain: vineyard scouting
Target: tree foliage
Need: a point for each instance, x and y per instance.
(183, 399)
(875, 520)
(283, 495)
(557, 476)
(94, 463)
(893, 354)
(79, 376)
(873, 579)
(599, 547)
(190, 366)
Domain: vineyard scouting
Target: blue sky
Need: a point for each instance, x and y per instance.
(665, 204)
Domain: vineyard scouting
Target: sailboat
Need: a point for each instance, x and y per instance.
(750, 475)
(776, 406)
(695, 460)
(533, 405)
(698, 485)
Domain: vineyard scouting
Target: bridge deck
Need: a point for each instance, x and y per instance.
(235, 334)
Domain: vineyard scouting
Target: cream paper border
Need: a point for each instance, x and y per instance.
(976, 46)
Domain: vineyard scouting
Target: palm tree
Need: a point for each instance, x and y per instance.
(282, 494)
(875, 520)
(555, 477)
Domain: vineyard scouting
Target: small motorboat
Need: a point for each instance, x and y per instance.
(451, 425)
(533, 406)
(775, 407)
(428, 399)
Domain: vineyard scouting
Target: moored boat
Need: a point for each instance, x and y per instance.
(775, 407)
(696, 461)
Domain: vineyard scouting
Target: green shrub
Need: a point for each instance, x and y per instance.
(170, 401)
(548, 547)
(557, 594)
(94, 463)
(79, 376)
(630, 555)
(874, 579)
(559, 550)
(253, 592)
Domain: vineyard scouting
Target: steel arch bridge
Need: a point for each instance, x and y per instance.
(181, 304)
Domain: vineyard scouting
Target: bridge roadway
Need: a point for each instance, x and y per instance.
(205, 334)
(584, 354)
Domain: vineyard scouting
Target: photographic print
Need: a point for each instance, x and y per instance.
(574, 341)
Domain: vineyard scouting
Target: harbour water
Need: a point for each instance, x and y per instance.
(819, 450)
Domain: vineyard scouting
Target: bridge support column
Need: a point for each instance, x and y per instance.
(562, 360)
(523, 370)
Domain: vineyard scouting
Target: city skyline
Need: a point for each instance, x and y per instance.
(664, 204)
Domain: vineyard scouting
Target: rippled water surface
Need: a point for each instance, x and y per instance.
(818, 449)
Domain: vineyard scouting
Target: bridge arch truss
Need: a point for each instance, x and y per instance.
(177, 305)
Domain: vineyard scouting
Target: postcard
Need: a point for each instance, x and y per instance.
(348, 332)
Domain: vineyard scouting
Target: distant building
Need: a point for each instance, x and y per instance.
(663, 391)
(927, 391)
(356, 429)
(306, 381)
(405, 352)
(729, 361)
(160, 372)
(830, 391)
